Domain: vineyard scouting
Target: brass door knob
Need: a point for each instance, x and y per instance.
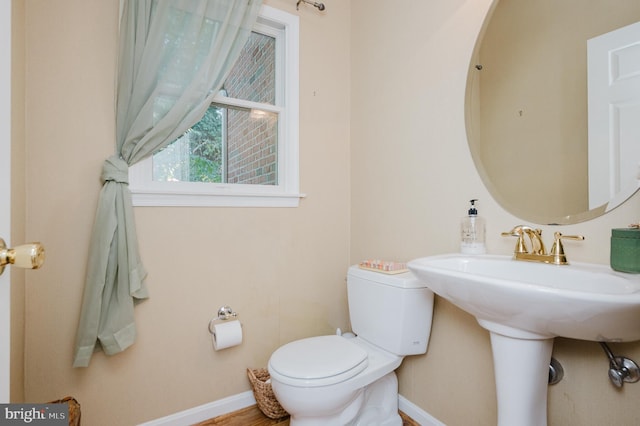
(30, 256)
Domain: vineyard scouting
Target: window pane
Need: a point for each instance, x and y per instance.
(253, 77)
(252, 146)
(233, 145)
(197, 156)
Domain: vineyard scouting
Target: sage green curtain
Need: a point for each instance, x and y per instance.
(174, 57)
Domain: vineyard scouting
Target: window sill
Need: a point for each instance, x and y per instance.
(151, 198)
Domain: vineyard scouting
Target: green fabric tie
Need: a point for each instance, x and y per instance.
(115, 169)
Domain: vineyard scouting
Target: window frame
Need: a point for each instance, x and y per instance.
(146, 192)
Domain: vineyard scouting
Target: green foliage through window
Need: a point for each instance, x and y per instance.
(206, 149)
(197, 156)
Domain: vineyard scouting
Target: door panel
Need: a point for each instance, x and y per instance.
(5, 195)
(614, 107)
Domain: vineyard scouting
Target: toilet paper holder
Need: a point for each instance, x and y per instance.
(224, 313)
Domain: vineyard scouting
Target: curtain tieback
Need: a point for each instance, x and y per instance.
(115, 169)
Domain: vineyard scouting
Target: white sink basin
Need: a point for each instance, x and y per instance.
(525, 305)
(534, 300)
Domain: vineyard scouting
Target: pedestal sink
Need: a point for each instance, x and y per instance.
(524, 305)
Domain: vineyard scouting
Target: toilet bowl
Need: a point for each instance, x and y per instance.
(322, 380)
(336, 380)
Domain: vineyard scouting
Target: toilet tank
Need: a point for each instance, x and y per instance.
(393, 312)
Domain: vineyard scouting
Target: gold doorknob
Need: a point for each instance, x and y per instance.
(30, 256)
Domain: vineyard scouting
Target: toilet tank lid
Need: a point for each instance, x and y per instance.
(403, 280)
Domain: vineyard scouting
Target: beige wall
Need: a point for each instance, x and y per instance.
(399, 140)
(412, 175)
(282, 269)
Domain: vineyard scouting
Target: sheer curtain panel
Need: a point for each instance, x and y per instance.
(174, 56)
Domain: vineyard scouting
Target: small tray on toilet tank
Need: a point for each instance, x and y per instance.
(384, 266)
(401, 279)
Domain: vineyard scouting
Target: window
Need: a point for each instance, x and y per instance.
(244, 151)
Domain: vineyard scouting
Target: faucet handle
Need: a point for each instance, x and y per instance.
(519, 232)
(557, 250)
(537, 245)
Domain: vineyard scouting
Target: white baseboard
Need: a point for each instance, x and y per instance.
(246, 399)
(416, 413)
(206, 411)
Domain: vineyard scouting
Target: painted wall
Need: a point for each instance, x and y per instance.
(412, 175)
(382, 108)
(282, 269)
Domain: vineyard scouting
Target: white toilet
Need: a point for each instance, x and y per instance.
(338, 380)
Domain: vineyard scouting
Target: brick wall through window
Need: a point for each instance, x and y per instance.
(252, 137)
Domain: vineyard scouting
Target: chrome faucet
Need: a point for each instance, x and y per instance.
(538, 253)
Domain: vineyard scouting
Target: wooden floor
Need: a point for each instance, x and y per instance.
(252, 416)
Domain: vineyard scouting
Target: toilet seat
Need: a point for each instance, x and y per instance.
(317, 361)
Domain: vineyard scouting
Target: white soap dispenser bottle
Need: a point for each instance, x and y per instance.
(472, 231)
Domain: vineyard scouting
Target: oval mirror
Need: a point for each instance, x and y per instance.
(552, 107)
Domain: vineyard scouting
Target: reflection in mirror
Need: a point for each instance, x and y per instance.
(527, 112)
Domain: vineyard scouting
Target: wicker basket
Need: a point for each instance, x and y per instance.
(74, 409)
(267, 402)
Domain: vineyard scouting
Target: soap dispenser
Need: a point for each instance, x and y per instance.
(472, 232)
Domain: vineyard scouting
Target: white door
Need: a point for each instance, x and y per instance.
(614, 108)
(5, 175)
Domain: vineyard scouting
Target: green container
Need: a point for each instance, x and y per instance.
(625, 250)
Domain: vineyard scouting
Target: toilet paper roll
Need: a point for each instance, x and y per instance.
(226, 334)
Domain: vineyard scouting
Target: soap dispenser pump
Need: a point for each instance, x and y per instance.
(472, 232)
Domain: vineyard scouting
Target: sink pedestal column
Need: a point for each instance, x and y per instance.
(522, 375)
